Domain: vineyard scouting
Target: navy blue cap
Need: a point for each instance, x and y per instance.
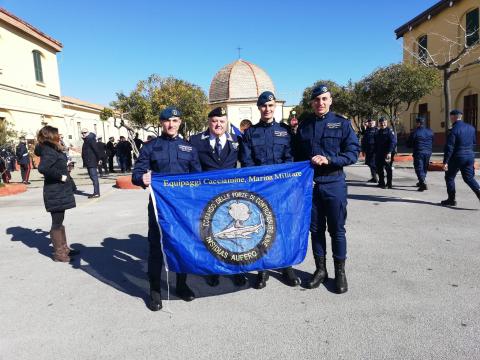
(264, 97)
(218, 111)
(319, 90)
(456, 112)
(420, 119)
(382, 119)
(169, 112)
(370, 120)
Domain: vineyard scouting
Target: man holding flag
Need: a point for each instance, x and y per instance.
(330, 143)
(217, 150)
(267, 143)
(166, 154)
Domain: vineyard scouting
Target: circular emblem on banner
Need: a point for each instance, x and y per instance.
(238, 227)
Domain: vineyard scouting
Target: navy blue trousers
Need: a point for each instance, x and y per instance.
(93, 173)
(420, 163)
(466, 167)
(329, 210)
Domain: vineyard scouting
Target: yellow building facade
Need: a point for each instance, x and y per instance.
(30, 92)
(435, 36)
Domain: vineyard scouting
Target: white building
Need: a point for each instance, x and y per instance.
(30, 94)
(237, 86)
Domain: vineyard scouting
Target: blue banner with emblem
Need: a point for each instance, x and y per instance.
(236, 220)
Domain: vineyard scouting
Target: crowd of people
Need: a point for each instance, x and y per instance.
(326, 139)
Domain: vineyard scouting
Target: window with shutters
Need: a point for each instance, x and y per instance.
(37, 63)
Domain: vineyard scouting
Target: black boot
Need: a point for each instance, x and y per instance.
(213, 280)
(320, 274)
(290, 278)
(422, 187)
(239, 279)
(183, 291)
(155, 300)
(262, 278)
(340, 277)
(450, 201)
(477, 192)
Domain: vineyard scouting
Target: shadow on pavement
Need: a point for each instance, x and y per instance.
(380, 198)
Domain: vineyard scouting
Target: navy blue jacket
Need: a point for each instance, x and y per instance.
(207, 155)
(331, 136)
(421, 140)
(165, 155)
(460, 142)
(368, 140)
(384, 142)
(21, 153)
(266, 144)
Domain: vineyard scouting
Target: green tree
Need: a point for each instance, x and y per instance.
(392, 89)
(6, 132)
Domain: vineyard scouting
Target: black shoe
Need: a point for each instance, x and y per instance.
(373, 181)
(422, 187)
(418, 184)
(341, 285)
(290, 278)
(93, 196)
(389, 186)
(262, 278)
(155, 300)
(239, 279)
(381, 186)
(183, 291)
(477, 192)
(320, 275)
(26, 182)
(213, 280)
(448, 202)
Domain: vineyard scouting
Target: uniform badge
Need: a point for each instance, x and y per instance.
(234, 145)
(185, 148)
(334, 125)
(223, 111)
(323, 89)
(270, 97)
(174, 112)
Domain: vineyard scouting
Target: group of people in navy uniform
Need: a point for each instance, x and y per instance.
(327, 140)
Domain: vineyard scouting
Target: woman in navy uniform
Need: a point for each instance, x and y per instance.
(217, 149)
(458, 155)
(330, 143)
(265, 143)
(166, 154)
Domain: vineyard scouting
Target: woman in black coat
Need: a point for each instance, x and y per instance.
(57, 188)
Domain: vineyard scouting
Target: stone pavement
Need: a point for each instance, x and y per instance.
(413, 275)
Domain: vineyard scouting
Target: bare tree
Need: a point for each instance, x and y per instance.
(456, 54)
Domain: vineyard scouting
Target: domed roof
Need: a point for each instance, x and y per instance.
(239, 80)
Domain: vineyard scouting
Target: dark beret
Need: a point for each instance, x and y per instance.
(264, 97)
(420, 119)
(319, 90)
(218, 111)
(456, 112)
(382, 119)
(169, 112)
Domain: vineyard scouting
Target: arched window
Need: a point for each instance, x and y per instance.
(37, 63)
(472, 31)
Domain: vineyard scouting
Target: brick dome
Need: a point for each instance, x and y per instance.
(239, 80)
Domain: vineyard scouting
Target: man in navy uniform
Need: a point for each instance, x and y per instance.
(330, 143)
(384, 146)
(265, 143)
(368, 149)
(167, 154)
(422, 141)
(458, 154)
(217, 149)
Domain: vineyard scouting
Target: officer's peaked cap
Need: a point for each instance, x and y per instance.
(218, 111)
(265, 97)
(170, 112)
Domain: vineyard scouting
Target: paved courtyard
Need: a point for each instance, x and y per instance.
(413, 274)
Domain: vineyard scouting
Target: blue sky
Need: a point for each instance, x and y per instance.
(110, 45)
